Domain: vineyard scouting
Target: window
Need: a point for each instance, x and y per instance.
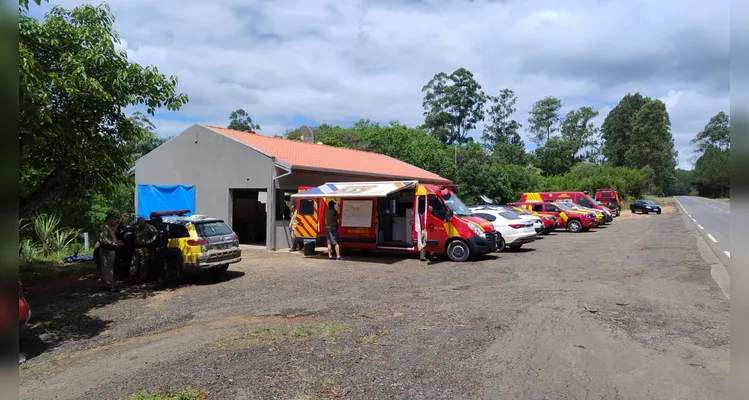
(436, 207)
(177, 231)
(306, 207)
(485, 216)
(421, 202)
(213, 228)
(538, 207)
(584, 201)
(606, 195)
(552, 208)
(509, 215)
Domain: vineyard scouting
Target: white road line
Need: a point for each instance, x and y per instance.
(695, 221)
(712, 238)
(728, 253)
(700, 226)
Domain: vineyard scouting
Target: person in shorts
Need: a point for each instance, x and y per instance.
(331, 224)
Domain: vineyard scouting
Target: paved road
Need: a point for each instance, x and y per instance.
(713, 218)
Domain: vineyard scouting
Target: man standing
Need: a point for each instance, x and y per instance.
(292, 227)
(108, 244)
(331, 225)
(145, 235)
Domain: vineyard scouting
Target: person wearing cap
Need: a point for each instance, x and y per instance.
(108, 244)
(331, 225)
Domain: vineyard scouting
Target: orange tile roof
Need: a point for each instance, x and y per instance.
(315, 157)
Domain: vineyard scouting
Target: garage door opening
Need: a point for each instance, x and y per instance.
(249, 210)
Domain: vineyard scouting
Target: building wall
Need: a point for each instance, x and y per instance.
(212, 162)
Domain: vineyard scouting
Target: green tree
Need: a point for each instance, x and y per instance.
(544, 119)
(239, 120)
(717, 133)
(712, 172)
(683, 183)
(73, 87)
(453, 105)
(147, 139)
(651, 144)
(578, 129)
(555, 157)
(617, 127)
(501, 135)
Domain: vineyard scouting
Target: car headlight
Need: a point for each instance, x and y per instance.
(477, 230)
(647, 206)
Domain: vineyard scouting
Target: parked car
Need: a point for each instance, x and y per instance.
(515, 230)
(24, 310)
(569, 205)
(580, 198)
(572, 221)
(538, 223)
(194, 242)
(610, 198)
(550, 221)
(645, 206)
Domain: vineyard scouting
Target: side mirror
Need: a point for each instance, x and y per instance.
(449, 215)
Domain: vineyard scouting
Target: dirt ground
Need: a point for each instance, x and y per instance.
(627, 311)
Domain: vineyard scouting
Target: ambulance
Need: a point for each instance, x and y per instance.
(395, 216)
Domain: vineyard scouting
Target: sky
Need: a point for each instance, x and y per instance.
(294, 62)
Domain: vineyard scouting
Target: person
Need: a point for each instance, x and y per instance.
(292, 228)
(108, 245)
(145, 235)
(331, 225)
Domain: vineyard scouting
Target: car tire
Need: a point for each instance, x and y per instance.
(216, 272)
(618, 212)
(574, 226)
(501, 245)
(633, 210)
(458, 251)
(174, 269)
(658, 212)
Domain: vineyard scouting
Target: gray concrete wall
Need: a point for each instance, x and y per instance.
(212, 162)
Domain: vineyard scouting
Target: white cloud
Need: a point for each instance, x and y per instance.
(339, 61)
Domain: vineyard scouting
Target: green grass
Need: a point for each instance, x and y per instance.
(53, 269)
(184, 394)
(300, 332)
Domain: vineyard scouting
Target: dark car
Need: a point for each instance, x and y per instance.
(645, 206)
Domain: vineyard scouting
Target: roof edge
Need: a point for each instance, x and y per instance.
(371, 174)
(272, 157)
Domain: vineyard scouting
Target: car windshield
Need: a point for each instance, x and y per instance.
(649, 202)
(565, 206)
(458, 208)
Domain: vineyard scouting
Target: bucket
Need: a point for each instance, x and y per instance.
(309, 249)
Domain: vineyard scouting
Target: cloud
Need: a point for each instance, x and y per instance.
(340, 61)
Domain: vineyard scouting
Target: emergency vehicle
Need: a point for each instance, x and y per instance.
(610, 198)
(395, 216)
(579, 198)
(573, 221)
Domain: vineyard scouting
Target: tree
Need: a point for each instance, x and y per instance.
(651, 144)
(239, 120)
(555, 157)
(544, 119)
(717, 133)
(147, 139)
(453, 105)
(712, 172)
(73, 87)
(578, 129)
(617, 128)
(501, 135)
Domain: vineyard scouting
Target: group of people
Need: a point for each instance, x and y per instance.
(145, 235)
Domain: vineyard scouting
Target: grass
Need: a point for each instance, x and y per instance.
(53, 269)
(300, 332)
(324, 387)
(374, 338)
(184, 394)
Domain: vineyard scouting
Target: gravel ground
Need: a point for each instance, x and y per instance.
(627, 311)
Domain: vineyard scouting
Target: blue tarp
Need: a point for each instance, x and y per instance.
(165, 198)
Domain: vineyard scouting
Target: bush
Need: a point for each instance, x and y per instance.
(42, 239)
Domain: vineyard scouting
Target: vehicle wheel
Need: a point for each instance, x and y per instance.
(658, 212)
(574, 226)
(216, 272)
(501, 245)
(617, 212)
(458, 251)
(515, 247)
(633, 210)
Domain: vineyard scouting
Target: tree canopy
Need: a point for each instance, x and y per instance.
(241, 121)
(453, 106)
(74, 85)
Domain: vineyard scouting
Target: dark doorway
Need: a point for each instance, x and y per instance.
(249, 215)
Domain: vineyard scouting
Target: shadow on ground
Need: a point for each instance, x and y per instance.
(61, 295)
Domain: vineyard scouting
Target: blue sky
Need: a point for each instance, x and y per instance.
(295, 62)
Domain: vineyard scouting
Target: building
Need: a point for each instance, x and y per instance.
(246, 179)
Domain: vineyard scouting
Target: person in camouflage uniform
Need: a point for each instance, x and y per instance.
(108, 244)
(145, 235)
